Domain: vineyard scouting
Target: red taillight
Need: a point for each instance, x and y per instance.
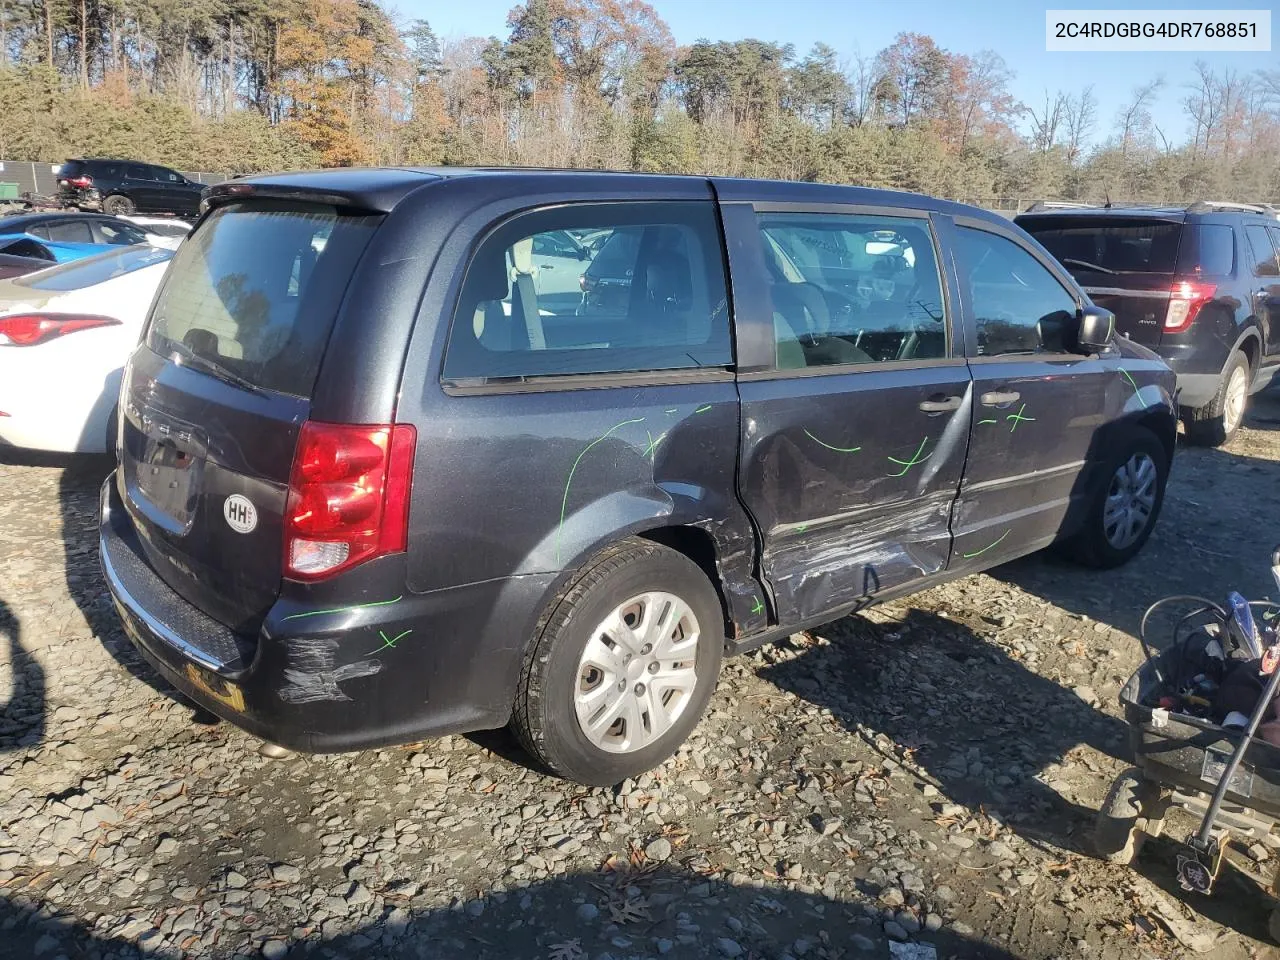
(28, 329)
(1186, 297)
(348, 496)
(81, 182)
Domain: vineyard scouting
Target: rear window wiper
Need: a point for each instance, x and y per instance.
(1087, 265)
(205, 365)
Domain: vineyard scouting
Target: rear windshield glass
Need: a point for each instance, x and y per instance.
(71, 168)
(1116, 246)
(1208, 249)
(85, 273)
(254, 291)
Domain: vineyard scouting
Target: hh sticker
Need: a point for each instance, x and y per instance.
(241, 515)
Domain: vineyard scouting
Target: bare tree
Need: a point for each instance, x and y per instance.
(1082, 114)
(1046, 123)
(1134, 118)
(866, 83)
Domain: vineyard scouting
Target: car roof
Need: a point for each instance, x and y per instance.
(1173, 214)
(382, 188)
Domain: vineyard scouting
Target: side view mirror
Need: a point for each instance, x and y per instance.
(1097, 329)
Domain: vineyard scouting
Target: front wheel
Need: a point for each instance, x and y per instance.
(1125, 507)
(623, 666)
(118, 205)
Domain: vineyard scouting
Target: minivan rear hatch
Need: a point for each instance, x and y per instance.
(1126, 263)
(215, 395)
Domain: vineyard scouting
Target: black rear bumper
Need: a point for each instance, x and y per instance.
(322, 677)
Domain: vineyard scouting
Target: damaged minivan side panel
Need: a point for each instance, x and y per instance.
(856, 420)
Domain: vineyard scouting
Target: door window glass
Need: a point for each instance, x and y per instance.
(538, 302)
(1018, 305)
(70, 231)
(136, 171)
(852, 289)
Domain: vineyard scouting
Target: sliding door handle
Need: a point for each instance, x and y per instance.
(997, 398)
(940, 404)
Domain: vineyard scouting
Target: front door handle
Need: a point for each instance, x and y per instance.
(997, 398)
(940, 404)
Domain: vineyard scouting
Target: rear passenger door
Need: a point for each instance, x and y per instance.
(1264, 242)
(1038, 407)
(855, 400)
(141, 186)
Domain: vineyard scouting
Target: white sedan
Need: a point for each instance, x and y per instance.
(65, 334)
(162, 231)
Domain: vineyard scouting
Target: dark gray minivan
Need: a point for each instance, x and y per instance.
(384, 475)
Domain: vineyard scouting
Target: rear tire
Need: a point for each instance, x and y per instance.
(633, 593)
(118, 205)
(1217, 422)
(1132, 489)
(1120, 827)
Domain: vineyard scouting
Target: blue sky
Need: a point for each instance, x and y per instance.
(1013, 29)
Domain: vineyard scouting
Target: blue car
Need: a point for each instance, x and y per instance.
(55, 251)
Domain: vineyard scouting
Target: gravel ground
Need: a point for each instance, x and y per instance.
(921, 777)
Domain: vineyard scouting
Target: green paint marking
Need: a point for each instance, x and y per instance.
(391, 643)
(802, 528)
(672, 410)
(1018, 418)
(354, 606)
(1132, 382)
(981, 422)
(703, 409)
(915, 458)
(829, 446)
(653, 444)
(978, 553)
(564, 502)
(759, 607)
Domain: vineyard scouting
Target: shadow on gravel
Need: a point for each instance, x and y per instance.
(984, 726)
(22, 716)
(637, 914)
(78, 498)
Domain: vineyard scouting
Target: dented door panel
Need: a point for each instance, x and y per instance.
(850, 483)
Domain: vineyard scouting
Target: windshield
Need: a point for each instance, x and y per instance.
(85, 273)
(254, 291)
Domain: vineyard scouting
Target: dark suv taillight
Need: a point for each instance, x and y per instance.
(348, 496)
(1186, 297)
(83, 182)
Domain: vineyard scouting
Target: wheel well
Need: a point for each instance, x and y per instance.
(697, 545)
(1165, 430)
(1249, 347)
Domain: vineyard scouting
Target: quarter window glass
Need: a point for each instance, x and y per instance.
(1264, 255)
(648, 293)
(1207, 249)
(1018, 305)
(852, 289)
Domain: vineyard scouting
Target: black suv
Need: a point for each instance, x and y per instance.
(122, 187)
(1200, 285)
(374, 486)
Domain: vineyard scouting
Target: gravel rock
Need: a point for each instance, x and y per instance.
(729, 948)
(658, 850)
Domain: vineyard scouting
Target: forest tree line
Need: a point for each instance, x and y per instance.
(249, 85)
